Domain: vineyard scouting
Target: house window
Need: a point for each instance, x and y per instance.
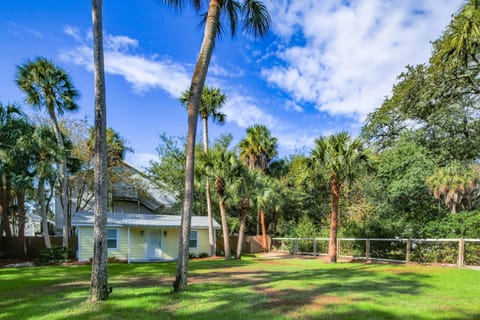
(112, 238)
(193, 239)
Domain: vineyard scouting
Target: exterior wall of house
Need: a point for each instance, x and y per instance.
(138, 243)
(120, 206)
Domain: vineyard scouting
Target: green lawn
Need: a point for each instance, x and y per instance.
(253, 288)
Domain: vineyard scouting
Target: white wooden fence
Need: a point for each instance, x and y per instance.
(444, 251)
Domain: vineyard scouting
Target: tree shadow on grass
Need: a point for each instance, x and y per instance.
(286, 289)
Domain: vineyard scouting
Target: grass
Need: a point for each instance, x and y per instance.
(253, 288)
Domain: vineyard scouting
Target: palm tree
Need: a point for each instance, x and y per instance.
(258, 148)
(266, 198)
(46, 151)
(47, 85)
(223, 167)
(10, 115)
(256, 21)
(99, 280)
(457, 185)
(211, 101)
(339, 160)
(243, 194)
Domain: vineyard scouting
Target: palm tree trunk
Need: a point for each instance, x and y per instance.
(226, 239)
(63, 177)
(332, 245)
(5, 227)
(43, 211)
(99, 280)
(211, 237)
(241, 231)
(21, 220)
(264, 231)
(196, 87)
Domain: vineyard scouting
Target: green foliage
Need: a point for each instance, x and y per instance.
(54, 255)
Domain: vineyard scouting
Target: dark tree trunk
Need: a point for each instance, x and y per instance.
(5, 226)
(21, 220)
(332, 245)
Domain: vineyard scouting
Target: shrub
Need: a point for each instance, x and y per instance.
(55, 254)
(203, 255)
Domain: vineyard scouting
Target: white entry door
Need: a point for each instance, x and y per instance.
(154, 244)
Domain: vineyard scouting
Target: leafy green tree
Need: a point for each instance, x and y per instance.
(256, 21)
(48, 86)
(99, 279)
(340, 160)
(211, 102)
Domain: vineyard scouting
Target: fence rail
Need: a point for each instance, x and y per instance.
(460, 252)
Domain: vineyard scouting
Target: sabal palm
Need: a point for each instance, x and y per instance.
(461, 41)
(338, 160)
(256, 21)
(456, 184)
(211, 102)
(258, 148)
(13, 126)
(224, 168)
(48, 86)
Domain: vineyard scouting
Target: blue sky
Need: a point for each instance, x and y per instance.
(324, 66)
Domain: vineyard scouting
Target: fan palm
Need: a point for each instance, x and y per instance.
(256, 21)
(339, 160)
(211, 102)
(223, 167)
(48, 86)
(258, 148)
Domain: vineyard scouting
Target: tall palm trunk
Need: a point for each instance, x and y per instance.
(264, 231)
(196, 87)
(99, 280)
(21, 220)
(5, 227)
(211, 237)
(332, 245)
(241, 231)
(63, 177)
(226, 238)
(43, 211)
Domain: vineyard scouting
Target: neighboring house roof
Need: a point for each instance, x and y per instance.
(85, 218)
(150, 194)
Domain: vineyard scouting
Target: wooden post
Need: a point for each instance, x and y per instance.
(314, 247)
(409, 249)
(296, 245)
(367, 250)
(461, 252)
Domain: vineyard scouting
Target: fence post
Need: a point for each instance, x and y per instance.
(461, 252)
(409, 248)
(296, 245)
(314, 247)
(367, 250)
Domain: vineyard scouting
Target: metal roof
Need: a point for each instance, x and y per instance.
(85, 218)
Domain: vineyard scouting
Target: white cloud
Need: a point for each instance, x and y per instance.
(243, 111)
(140, 160)
(344, 56)
(143, 73)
